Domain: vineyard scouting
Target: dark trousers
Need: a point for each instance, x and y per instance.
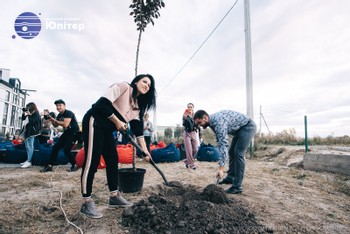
(65, 142)
(43, 139)
(238, 149)
(97, 142)
(148, 142)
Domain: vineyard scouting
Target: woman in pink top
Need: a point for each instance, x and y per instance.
(122, 104)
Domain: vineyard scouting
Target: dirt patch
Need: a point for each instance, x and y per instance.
(186, 210)
(285, 199)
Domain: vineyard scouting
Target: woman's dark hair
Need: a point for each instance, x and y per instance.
(32, 107)
(145, 101)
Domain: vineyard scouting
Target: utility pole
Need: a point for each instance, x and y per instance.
(260, 122)
(155, 124)
(248, 60)
(262, 117)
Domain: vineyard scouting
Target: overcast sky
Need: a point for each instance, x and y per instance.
(300, 57)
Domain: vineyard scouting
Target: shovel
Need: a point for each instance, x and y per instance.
(133, 142)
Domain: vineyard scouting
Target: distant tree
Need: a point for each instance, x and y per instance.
(144, 11)
(178, 131)
(168, 133)
(208, 136)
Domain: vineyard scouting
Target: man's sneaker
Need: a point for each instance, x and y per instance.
(118, 201)
(46, 168)
(89, 209)
(26, 164)
(73, 168)
(226, 180)
(234, 190)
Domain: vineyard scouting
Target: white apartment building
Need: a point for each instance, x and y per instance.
(12, 100)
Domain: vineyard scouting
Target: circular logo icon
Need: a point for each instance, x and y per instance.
(27, 25)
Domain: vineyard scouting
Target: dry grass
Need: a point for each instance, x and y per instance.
(286, 198)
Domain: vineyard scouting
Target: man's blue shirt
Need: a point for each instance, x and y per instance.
(223, 123)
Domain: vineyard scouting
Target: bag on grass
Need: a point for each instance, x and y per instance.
(168, 154)
(208, 153)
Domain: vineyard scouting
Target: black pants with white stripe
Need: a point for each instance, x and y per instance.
(97, 142)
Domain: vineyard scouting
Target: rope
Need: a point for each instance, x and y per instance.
(64, 213)
(206, 39)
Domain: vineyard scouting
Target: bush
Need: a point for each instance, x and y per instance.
(288, 137)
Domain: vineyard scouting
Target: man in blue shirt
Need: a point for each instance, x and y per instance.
(243, 130)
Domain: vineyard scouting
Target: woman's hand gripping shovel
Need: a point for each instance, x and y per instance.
(133, 142)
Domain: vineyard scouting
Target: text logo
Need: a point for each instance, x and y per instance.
(27, 25)
(64, 24)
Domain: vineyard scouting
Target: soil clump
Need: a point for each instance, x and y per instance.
(183, 209)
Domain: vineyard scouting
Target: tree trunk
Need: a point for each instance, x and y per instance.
(137, 51)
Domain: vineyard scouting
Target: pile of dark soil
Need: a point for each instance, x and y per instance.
(186, 210)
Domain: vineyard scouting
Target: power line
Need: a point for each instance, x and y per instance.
(183, 67)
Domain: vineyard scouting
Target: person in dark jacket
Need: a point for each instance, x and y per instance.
(31, 130)
(121, 105)
(190, 136)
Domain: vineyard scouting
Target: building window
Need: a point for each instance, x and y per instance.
(22, 102)
(7, 96)
(4, 117)
(13, 115)
(3, 131)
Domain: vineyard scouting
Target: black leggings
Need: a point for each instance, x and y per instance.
(97, 142)
(148, 142)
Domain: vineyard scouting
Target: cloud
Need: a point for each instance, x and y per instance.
(299, 51)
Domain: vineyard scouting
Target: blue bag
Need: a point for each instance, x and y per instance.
(208, 153)
(168, 154)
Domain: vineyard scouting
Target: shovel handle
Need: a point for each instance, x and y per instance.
(133, 142)
(159, 171)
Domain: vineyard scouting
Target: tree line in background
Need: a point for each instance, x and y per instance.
(286, 137)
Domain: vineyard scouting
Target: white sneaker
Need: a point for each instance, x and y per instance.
(26, 164)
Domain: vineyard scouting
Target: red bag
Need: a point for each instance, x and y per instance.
(79, 159)
(125, 153)
(160, 145)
